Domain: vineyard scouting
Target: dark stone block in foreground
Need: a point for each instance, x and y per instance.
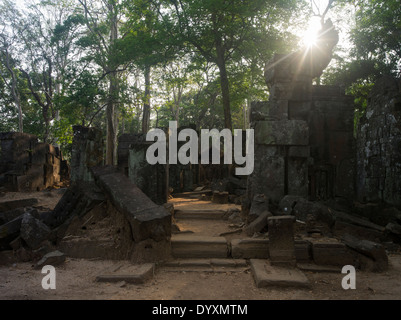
(281, 240)
(147, 220)
(14, 204)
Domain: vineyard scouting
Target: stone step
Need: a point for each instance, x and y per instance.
(206, 265)
(193, 246)
(212, 214)
(266, 275)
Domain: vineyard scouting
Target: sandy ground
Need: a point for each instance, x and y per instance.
(75, 279)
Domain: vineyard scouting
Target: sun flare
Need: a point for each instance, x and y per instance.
(310, 36)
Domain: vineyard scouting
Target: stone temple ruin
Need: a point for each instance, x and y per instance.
(27, 165)
(318, 197)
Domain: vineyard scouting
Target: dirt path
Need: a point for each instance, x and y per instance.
(76, 278)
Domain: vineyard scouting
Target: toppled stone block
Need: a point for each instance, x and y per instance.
(340, 228)
(281, 240)
(370, 249)
(33, 231)
(147, 220)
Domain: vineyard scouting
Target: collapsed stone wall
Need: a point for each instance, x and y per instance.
(379, 145)
(28, 165)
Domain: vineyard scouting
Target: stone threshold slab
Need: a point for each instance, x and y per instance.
(191, 246)
(136, 274)
(266, 275)
(225, 263)
(200, 214)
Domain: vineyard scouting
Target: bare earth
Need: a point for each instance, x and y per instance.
(76, 278)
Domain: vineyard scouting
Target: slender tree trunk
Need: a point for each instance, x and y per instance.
(225, 88)
(111, 120)
(146, 104)
(14, 92)
(225, 92)
(111, 138)
(17, 103)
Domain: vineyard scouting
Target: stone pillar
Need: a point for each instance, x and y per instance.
(87, 152)
(281, 240)
(281, 143)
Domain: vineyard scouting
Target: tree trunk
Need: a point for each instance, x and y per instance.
(225, 88)
(225, 92)
(14, 92)
(146, 103)
(111, 120)
(111, 138)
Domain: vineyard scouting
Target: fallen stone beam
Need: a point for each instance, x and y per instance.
(147, 220)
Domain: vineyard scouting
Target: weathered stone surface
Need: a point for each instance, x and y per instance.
(76, 200)
(258, 224)
(9, 231)
(220, 197)
(200, 214)
(268, 176)
(250, 248)
(14, 204)
(303, 250)
(9, 215)
(135, 274)
(284, 132)
(352, 219)
(340, 228)
(87, 152)
(394, 228)
(297, 172)
(259, 205)
(147, 220)
(332, 253)
(191, 246)
(151, 179)
(288, 203)
(33, 231)
(53, 258)
(281, 240)
(319, 212)
(378, 145)
(267, 275)
(23, 163)
(373, 250)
